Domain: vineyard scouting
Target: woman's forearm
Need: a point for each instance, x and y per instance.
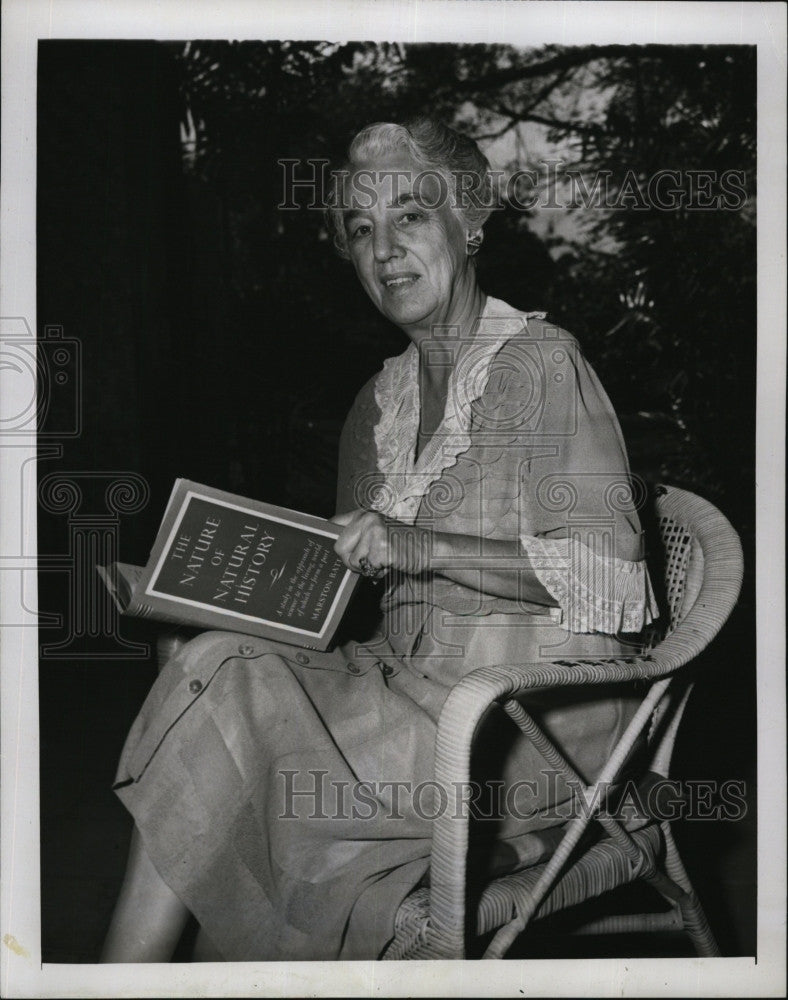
(496, 567)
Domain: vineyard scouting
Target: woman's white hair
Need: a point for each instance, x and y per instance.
(432, 146)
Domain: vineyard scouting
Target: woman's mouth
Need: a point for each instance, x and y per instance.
(397, 282)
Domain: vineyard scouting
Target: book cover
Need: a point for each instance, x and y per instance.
(227, 562)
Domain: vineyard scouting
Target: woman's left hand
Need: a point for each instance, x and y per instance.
(372, 545)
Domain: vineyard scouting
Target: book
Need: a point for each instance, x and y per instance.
(222, 561)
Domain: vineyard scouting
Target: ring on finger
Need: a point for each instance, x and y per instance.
(368, 569)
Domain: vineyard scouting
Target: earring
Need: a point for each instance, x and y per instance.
(473, 243)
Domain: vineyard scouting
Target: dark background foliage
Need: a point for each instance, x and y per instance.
(224, 341)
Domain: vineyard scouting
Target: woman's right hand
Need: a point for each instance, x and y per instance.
(373, 545)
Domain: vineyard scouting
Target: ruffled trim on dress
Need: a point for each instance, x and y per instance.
(407, 480)
(596, 593)
(396, 396)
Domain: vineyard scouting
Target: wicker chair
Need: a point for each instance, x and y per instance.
(702, 578)
(702, 561)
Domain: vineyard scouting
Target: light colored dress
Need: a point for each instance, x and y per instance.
(284, 794)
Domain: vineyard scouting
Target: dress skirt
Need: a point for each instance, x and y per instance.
(285, 795)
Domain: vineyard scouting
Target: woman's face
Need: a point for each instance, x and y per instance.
(406, 242)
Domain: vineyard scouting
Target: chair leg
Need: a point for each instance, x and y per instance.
(693, 916)
(697, 926)
(673, 864)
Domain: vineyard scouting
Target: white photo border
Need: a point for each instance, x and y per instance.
(485, 21)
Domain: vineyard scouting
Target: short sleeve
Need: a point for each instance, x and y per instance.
(578, 502)
(596, 593)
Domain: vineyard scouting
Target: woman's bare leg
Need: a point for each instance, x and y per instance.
(149, 918)
(205, 950)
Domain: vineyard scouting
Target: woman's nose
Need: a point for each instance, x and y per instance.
(385, 243)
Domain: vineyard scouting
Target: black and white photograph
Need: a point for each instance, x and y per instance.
(392, 449)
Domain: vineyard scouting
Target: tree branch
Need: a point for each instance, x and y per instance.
(591, 128)
(547, 90)
(515, 117)
(497, 134)
(563, 62)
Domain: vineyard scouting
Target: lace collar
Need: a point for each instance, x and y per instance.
(408, 479)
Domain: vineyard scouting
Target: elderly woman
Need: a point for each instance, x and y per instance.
(483, 489)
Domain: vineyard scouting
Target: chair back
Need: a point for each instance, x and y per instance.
(702, 562)
(702, 568)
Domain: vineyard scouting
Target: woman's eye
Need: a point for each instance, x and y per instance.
(410, 217)
(359, 231)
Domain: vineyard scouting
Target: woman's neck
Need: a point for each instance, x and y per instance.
(462, 313)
